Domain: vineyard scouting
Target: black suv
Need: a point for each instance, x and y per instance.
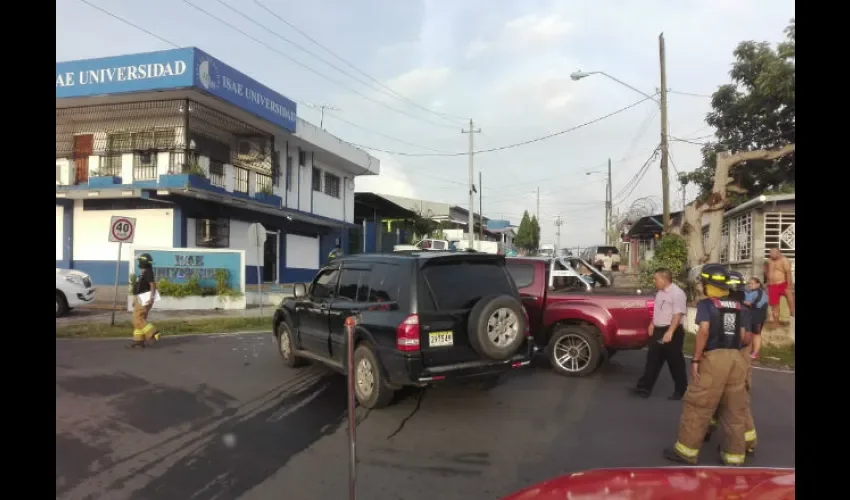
(422, 318)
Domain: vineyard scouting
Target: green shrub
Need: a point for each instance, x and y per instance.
(193, 287)
(671, 252)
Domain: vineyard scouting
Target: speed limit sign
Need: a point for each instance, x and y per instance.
(122, 229)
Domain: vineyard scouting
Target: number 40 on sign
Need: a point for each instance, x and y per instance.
(122, 229)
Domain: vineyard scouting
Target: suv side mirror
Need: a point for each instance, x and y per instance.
(299, 290)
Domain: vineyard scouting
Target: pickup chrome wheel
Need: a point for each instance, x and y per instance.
(370, 387)
(574, 350)
(572, 353)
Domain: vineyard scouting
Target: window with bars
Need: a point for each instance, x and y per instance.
(317, 179)
(779, 232)
(263, 183)
(144, 166)
(332, 184)
(740, 232)
(217, 173)
(212, 233)
(179, 163)
(240, 180)
(110, 165)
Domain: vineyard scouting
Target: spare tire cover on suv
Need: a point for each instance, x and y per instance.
(497, 326)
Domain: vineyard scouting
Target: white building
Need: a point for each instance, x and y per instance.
(194, 151)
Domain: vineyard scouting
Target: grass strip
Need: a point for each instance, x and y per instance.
(770, 357)
(167, 327)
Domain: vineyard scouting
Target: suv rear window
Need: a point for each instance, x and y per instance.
(459, 285)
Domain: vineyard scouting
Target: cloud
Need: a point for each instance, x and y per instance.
(419, 81)
(534, 29)
(476, 48)
(392, 180)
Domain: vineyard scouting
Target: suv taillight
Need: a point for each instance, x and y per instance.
(407, 334)
(650, 304)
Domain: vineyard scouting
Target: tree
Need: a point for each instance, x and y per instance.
(525, 235)
(535, 232)
(754, 153)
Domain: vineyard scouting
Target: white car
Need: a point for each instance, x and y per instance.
(73, 289)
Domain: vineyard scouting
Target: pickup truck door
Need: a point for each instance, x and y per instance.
(313, 313)
(350, 300)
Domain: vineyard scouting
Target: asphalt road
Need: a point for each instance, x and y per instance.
(218, 417)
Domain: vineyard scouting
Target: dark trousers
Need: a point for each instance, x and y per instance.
(670, 352)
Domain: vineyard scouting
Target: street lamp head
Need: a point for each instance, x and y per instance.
(578, 75)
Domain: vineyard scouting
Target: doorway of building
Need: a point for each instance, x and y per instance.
(270, 259)
(83, 148)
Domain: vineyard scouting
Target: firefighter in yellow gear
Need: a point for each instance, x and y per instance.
(145, 286)
(736, 292)
(718, 375)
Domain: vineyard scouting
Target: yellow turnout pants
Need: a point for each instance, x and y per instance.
(142, 330)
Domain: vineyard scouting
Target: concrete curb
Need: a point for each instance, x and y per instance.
(167, 336)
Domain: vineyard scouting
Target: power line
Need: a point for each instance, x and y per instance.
(307, 67)
(635, 181)
(125, 21)
(690, 94)
(300, 47)
(508, 146)
(352, 66)
(361, 127)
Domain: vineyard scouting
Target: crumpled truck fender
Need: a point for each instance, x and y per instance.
(582, 311)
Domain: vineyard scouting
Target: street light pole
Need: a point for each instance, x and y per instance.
(662, 102)
(610, 206)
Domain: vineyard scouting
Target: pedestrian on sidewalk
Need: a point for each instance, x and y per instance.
(756, 299)
(667, 337)
(144, 294)
(718, 375)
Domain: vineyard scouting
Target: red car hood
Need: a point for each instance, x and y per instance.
(666, 483)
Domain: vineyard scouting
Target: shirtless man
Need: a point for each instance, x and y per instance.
(778, 271)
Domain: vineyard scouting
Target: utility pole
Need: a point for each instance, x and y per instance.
(471, 230)
(480, 207)
(609, 206)
(684, 196)
(665, 175)
(558, 223)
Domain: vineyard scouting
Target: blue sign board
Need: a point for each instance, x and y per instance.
(180, 265)
(174, 69)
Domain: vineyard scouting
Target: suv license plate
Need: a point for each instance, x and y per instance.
(440, 339)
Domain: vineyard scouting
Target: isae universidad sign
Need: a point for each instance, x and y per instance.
(173, 69)
(121, 73)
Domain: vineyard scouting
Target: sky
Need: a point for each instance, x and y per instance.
(405, 76)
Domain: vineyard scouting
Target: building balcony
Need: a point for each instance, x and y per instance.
(164, 170)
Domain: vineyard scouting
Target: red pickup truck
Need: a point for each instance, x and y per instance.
(574, 315)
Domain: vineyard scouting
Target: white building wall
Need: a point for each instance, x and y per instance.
(239, 240)
(326, 205)
(60, 212)
(302, 252)
(154, 229)
(306, 183)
